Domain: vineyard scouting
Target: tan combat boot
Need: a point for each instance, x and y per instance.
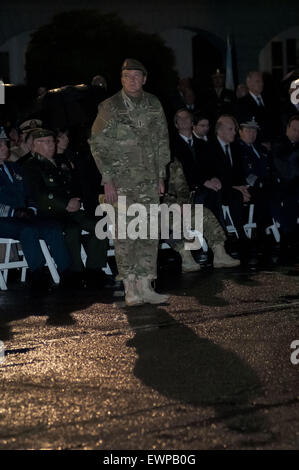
(148, 293)
(188, 263)
(222, 259)
(132, 295)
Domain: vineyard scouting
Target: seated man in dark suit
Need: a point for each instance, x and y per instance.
(58, 198)
(223, 161)
(18, 220)
(189, 149)
(184, 147)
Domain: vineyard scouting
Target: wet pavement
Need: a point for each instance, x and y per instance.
(209, 370)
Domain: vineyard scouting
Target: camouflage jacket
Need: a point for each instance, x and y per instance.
(178, 189)
(129, 140)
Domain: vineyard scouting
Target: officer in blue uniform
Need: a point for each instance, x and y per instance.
(258, 170)
(18, 220)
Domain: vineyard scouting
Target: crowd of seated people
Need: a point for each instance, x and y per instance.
(235, 149)
(243, 150)
(42, 197)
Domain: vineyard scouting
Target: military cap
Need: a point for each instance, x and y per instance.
(3, 135)
(133, 64)
(252, 124)
(28, 126)
(40, 133)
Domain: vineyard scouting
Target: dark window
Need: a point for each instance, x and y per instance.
(277, 56)
(4, 67)
(291, 54)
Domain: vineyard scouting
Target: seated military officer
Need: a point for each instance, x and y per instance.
(178, 193)
(58, 197)
(258, 169)
(18, 220)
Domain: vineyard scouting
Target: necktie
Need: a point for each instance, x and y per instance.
(6, 173)
(255, 151)
(228, 154)
(191, 147)
(259, 101)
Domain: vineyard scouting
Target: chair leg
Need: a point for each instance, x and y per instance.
(3, 285)
(275, 231)
(7, 259)
(24, 268)
(230, 227)
(250, 224)
(13, 249)
(49, 262)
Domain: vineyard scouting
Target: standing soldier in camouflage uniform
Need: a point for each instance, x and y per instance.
(129, 143)
(178, 192)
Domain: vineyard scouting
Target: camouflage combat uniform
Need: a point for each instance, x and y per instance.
(178, 192)
(130, 146)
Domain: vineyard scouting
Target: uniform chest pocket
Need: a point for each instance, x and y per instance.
(124, 132)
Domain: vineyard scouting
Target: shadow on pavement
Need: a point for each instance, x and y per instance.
(204, 286)
(18, 303)
(177, 363)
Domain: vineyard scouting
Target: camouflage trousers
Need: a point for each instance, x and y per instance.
(135, 256)
(139, 256)
(212, 231)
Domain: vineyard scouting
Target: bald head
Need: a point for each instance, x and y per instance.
(226, 129)
(255, 82)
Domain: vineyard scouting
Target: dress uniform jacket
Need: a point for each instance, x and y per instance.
(258, 169)
(15, 193)
(53, 186)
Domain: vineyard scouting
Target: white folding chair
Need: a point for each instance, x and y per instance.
(230, 227)
(3, 285)
(274, 228)
(49, 262)
(22, 263)
(7, 264)
(250, 224)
